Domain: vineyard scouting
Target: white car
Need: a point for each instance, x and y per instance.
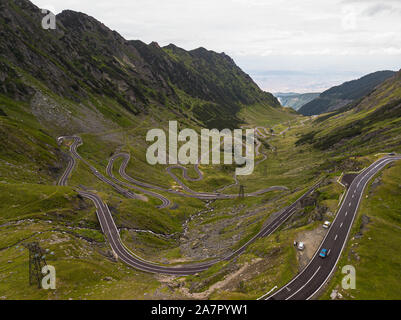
(301, 246)
(327, 224)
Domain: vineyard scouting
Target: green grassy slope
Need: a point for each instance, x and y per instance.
(369, 125)
(85, 79)
(375, 240)
(348, 92)
(360, 132)
(82, 59)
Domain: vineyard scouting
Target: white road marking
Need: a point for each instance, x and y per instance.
(346, 214)
(328, 253)
(341, 224)
(350, 204)
(331, 272)
(275, 287)
(304, 284)
(336, 237)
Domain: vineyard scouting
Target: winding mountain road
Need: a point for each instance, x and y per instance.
(191, 193)
(64, 178)
(315, 275)
(113, 236)
(304, 286)
(77, 141)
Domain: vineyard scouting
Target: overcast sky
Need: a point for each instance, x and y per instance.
(285, 45)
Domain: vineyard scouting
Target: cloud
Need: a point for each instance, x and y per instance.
(382, 8)
(349, 20)
(368, 1)
(376, 9)
(291, 30)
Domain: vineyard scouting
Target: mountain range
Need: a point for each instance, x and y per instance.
(82, 59)
(339, 96)
(86, 80)
(295, 100)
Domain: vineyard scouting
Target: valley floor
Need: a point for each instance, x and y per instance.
(66, 225)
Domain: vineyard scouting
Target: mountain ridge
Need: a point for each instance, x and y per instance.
(371, 122)
(83, 58)
(295, 100)
(341, 95)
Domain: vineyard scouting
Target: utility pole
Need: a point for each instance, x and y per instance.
(241, 194)
(37, 260)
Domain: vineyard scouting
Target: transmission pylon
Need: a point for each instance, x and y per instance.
(241, 194)
(37, 260)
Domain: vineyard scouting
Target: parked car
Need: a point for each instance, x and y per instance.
(301, 246)
(323, 253)
(326, 224)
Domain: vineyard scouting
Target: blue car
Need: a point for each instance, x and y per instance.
(323, 253)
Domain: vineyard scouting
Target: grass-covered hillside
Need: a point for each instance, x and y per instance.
(85, 79)
(348, 92)
(374, 239)
(361, 132)
(84, 61)
(369, 125)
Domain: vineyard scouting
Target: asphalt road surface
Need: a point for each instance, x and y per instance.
(304, 286)
(165, 201)
(111, 232)
(77, 141)
(315, 275)
(64, 178)
(191, 193)
(121, 252)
